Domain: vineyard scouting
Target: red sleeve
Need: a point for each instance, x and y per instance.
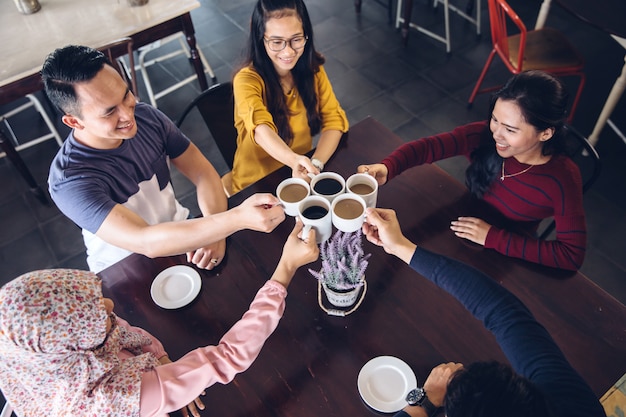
(461, 141)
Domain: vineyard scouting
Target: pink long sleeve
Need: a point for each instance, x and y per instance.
(170, 387)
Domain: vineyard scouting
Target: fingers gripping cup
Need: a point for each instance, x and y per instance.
(314, 211)
(291, 192)
(348, 212)
(328, 185)
(364, 185)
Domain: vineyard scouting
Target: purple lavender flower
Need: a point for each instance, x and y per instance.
(343, 261)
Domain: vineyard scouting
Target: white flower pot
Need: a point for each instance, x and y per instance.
(341, 298)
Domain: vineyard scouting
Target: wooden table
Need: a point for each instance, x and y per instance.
(609, 16)
(28, 39)
(309, 366)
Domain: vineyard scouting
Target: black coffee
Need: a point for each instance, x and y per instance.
(314, 212)
(327, 186)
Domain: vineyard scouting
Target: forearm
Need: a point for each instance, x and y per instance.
(567, 251)
(526, 343)
(273, 144)
(170, 387)
(211, 198)
(327, 145)
(126, 230)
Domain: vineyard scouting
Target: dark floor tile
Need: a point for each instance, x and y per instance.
(413, 129)
(22, 219)
(417, 95)
(355, 53)
(352, 89)
(386, 73)
(384, 109)
(64, 238)
(27, 253)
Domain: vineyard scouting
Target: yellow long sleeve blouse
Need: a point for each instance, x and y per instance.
(251, 161)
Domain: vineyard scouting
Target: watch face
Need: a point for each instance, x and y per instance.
(415, 396)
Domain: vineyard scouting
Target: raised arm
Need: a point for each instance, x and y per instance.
(529, 348)
(173, 386)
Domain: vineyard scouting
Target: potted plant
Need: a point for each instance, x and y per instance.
(343, 268)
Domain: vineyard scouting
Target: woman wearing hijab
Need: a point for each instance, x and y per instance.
(64, 352)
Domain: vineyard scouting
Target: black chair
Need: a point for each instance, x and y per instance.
(216, 106)
(582, 152)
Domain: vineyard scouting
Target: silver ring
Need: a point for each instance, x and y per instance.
(214, 261)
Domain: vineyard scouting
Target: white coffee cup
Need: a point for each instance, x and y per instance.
(328, 185)
(364, 185)
(291, 192)
(348, 212)
(314, 212)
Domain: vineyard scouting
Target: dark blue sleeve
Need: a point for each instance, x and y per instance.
(529, 348)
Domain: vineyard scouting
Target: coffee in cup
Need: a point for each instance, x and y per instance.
(365, 186)
(328, 185)
(314, 212)
(291, 192)
(348, 212)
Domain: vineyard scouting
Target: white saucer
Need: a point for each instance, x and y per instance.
(384, 382)
(175, 286)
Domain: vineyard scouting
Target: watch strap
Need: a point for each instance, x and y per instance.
(317, 164)
(430, 408)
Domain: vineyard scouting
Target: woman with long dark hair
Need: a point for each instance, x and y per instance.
(518, 167)
(283, 97)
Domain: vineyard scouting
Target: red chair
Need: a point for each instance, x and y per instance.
(543, 49)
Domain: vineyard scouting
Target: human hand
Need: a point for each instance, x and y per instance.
(381, 227)
(260, 212)
(378, 171)
(191, 407)
(471, 228)
(302, 167)
(297, 251)
(436, 384)
(208, 257)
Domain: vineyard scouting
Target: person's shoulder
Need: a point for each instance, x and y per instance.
(247, 73)
(563, 164)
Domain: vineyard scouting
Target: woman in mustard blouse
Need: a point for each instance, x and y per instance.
(283, 97)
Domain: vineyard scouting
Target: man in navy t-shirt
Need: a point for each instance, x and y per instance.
(111, 176)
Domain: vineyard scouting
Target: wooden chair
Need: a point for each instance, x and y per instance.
(614, 400)
(115, 51)
(582, 152)
(216, 106)
(543, 49)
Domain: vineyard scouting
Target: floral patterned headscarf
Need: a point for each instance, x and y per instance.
(56, 358)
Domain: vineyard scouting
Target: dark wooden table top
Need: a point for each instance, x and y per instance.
(309, 366)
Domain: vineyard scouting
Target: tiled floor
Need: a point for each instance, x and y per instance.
(415, 90)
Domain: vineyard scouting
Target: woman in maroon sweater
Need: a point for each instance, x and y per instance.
(517, 167)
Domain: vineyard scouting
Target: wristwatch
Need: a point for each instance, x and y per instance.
(418, 397)
(317, 164)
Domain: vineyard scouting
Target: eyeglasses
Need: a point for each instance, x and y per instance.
(277, 45)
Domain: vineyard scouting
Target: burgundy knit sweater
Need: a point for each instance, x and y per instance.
(551, 189)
